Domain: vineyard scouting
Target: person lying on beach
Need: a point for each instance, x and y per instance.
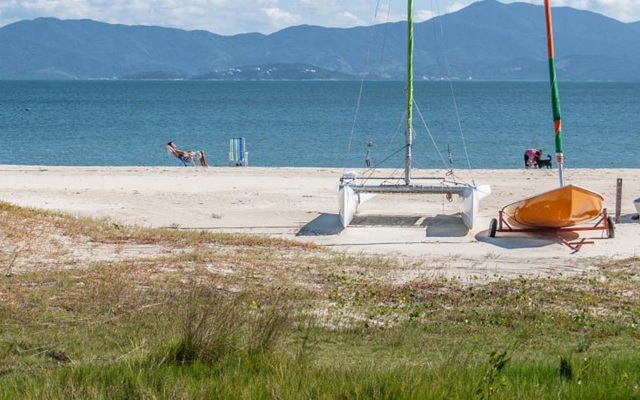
(187, 156)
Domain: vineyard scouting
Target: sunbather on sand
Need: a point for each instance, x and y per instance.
(187, 156)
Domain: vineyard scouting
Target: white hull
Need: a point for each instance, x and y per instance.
(636, 203)
(471, 197)
(349, 202)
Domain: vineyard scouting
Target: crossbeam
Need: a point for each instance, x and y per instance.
(428, 189)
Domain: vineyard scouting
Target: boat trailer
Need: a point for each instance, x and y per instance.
(603, 222)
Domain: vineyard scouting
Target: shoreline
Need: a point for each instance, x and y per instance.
(423, 231)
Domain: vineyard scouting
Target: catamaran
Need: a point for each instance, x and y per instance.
(354, 190)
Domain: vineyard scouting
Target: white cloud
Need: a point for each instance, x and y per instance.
(424, 15)
(457, 6)
(623, 10)
(347, 19)
(278, 19)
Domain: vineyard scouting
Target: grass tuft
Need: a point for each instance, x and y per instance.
(565, 371)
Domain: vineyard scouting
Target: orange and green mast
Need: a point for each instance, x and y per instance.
(555, 94)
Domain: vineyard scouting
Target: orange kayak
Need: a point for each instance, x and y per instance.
(563, 207)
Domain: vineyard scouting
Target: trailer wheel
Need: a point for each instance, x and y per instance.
(612, 227)
(493, 227)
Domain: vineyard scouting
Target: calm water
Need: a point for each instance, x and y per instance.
(314, 124)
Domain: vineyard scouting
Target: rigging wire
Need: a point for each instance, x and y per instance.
(424, 123)
(366, 68)
(370, 171)
(435, 4)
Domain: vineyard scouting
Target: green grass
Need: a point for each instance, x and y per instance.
(229, 316)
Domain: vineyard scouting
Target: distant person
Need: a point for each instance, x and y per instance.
(531, 157)
(187, 156)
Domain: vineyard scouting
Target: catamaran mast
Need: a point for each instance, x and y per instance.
(555, 94)
(407, 163)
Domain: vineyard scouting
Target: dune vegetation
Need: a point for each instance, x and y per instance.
(95, 309)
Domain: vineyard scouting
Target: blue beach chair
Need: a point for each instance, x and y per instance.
(238, 156)
(184, 161)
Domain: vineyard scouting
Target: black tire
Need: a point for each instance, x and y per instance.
(493, 227)
(612, 228)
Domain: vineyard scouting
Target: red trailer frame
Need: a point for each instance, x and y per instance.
(604, 222)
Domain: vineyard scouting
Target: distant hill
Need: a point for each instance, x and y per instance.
(487, 40)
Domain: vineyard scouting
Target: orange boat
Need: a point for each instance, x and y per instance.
(558, 208)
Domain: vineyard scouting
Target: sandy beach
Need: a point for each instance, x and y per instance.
(424, 231)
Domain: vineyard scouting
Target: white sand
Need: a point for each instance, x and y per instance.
(302, 204)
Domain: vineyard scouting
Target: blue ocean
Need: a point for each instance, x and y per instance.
(315, 124)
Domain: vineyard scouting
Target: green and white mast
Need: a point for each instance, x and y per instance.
(407, 166)
(555, 94)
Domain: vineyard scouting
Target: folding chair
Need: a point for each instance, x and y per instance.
(238, 156)
(188, 160)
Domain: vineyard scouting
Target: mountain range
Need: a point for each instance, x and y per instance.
(487, 40)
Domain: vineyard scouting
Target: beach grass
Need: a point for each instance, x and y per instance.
(93, 309)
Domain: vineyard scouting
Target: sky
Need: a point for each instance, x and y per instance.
(230, 17)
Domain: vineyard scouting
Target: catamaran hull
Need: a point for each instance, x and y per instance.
(349, 202)
(471, 197)
(558, 208)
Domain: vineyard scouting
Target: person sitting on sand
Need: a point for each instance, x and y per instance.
(187, 156)
(531, 156)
